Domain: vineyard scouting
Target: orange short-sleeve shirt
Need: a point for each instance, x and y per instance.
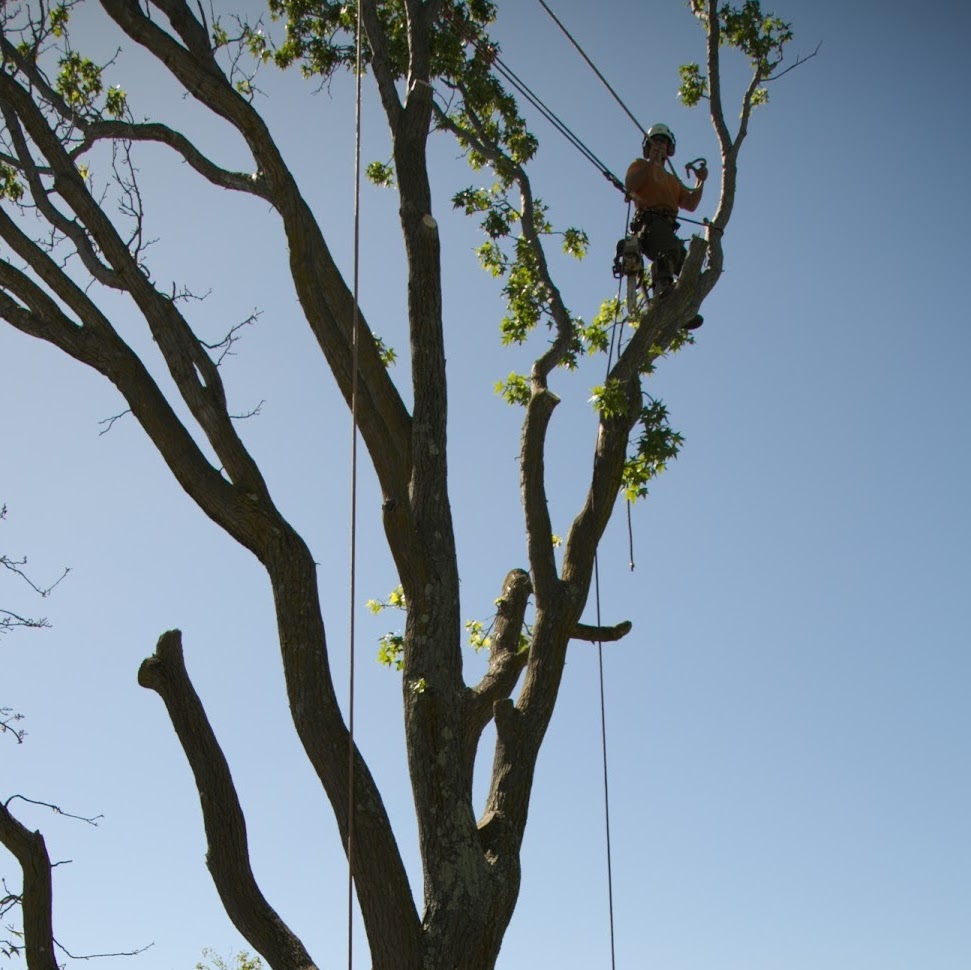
(651, 187)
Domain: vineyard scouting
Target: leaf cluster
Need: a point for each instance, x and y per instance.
(80, 82)
(759, 36)
(656, 446)
(320, 36)
(391, 646)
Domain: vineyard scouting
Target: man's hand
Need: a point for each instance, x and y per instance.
(699, 167)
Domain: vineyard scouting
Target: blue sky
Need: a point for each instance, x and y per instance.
(788, 727)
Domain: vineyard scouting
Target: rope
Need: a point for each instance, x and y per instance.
(593, 66)
(615, 337)
(355, 327)
(603, 739)
(491, 56)
(534, 99)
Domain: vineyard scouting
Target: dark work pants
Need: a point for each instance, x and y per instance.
(657, 235)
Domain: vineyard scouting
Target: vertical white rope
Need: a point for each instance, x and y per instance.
(616, 339)
(353, 557)
(603, 739)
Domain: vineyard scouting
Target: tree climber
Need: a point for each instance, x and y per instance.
(658, 196)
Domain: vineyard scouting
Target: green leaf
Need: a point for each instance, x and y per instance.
(610, 400)
(115, 102)
(59, 17)
(515, 389)
(79, 80)
(693, 87)
(656, 446)
(381, 174)
(10, 186)
(391, 650)
(575, 243)
(479, 637)
(388, 355)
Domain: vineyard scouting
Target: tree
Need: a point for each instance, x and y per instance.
(62, 126)
(28, 847)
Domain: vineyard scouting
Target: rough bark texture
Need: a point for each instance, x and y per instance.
(471, 867)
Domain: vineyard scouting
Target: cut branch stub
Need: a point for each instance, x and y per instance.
(228, 854)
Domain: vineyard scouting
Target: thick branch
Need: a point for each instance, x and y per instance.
(539, 410)
(30, 852)
(602, 634)
(381, 62)
(98, 346)
(15, 107)
(228, 852)
(96, 131)
(532, 465)
(326, 300)
(716, 108)
(506, 662)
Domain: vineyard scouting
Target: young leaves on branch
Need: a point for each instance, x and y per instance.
(391, 647)
(656, 446)
(760, 37)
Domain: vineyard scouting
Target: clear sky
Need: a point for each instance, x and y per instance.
(788, 730)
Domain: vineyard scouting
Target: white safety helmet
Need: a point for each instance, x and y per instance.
(660, 131)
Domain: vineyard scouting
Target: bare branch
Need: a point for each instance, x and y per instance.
(42, 591)
(9, 716)
(110, 422)
(100, 956)
(56, 809)
(254, 412)
(36, 899)
(225, 346)
(798, 63)
(251, 183)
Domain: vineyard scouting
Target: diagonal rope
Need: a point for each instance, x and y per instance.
(593, 66)
(507, 72)
(490, 54)
(355, 327)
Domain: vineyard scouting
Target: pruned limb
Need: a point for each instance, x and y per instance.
(30, 851)
(602, 634)
(227, 856)
(506, 662)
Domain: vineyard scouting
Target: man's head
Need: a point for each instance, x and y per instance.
(659, 137)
